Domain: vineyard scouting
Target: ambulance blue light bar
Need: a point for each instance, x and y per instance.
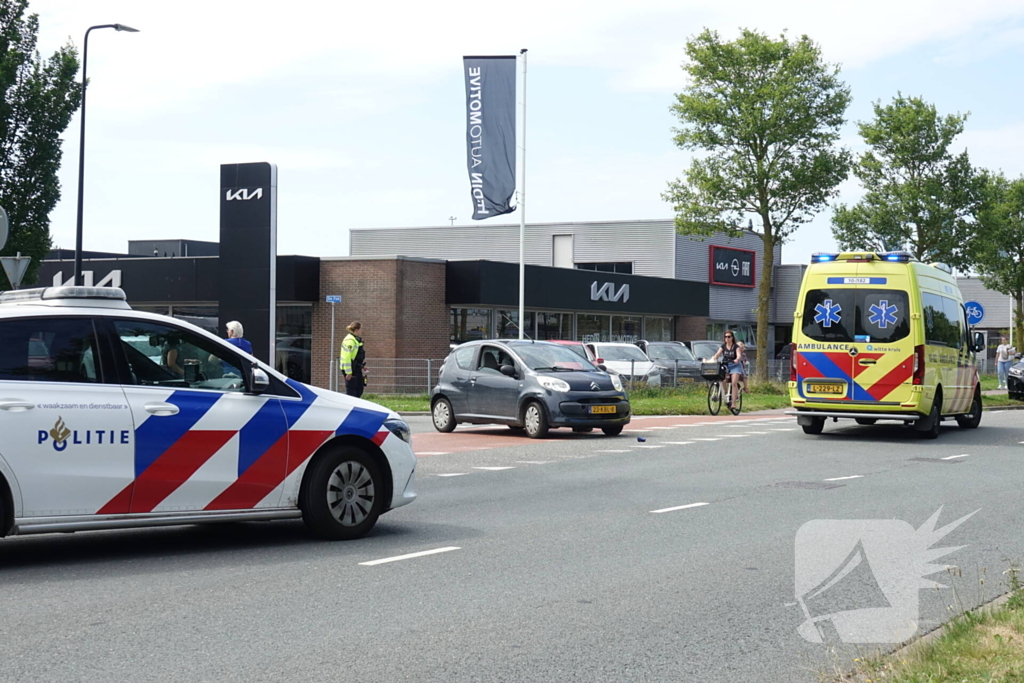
(895, 256)
(821, 257)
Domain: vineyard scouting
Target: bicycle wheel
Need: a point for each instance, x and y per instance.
(737, 405)
(714, 397)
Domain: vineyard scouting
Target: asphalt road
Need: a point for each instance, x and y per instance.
(557, 568)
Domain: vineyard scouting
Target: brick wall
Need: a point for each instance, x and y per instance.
(689, 328)
(401, 304)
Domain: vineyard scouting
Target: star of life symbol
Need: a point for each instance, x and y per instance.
(858, 579)
(827, 314)
(882, 314)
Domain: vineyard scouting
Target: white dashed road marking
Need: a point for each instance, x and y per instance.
(454, 474)
(954, 457)
(730, 436)
(678, 507)
(409, 556)
(612, 451)
(677, 443)
(494, 469)
(852, 476)
(540, 462)
(706, 439)
(643, 446)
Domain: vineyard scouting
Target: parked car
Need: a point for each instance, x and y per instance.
(628, 361)
(529, 385)
(1015, 381)
(703, 349)
(114, 418)
(674, 359)
(579, 348)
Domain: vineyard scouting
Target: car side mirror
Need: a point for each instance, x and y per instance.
(979, 342)
(602, 367)
(259, 382)
(508, 370)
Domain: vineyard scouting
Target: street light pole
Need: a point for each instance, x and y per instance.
(81, 146)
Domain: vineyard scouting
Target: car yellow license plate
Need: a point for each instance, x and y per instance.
(602, 409)
(827, 389)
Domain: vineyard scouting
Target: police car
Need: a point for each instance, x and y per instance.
(113, 418)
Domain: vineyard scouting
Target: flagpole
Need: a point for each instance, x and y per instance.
(522, 208)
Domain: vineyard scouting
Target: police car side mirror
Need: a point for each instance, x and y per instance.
(979, 342)
(259, 382)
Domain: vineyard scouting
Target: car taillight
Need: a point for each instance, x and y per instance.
(919, 364)
(792, 362)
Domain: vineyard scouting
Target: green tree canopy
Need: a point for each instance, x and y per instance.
(919, 196)
(763, 116)
(997, 250)
(37, 99)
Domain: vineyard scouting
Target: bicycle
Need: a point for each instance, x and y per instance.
(715, 392)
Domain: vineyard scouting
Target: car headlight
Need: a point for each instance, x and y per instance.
(1017, 372)
(399, 428)
(616, 382)
(553, 383)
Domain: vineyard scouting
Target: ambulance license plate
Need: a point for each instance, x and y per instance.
(827, 389)
(602, 409)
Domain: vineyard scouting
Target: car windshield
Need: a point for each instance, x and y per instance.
(624, 352)
(668, 352)
(705, 349)
(551, 357)
(577, 349)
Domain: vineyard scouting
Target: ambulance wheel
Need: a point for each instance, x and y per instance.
(443, 415)
(934, 421)
(816, 427)
(342, 494)
(972, 419)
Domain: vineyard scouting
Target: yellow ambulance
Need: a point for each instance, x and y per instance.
(882, 336)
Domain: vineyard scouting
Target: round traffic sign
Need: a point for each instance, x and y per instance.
(975, 312)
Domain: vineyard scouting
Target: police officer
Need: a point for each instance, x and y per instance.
(353, 360)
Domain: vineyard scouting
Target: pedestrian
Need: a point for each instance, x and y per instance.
(352, 360)
(746, 365)
(236, 336)
(1004, 352)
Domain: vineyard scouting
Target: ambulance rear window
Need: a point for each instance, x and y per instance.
(856, 315)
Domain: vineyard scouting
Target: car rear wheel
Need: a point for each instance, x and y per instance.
(535, 421)
(612, 431)
(972, 419)
(816, 426)
(443, 415)
(342, 494)
(934, 421)
(866, 421)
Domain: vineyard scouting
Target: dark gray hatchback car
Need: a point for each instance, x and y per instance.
(534, 386)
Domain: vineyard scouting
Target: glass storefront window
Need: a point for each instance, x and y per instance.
(658, 329)
(205, 317)
(554, 326)
(294, 341)
(626, 328)
(468, 324)
(508, 324)
(593, 328)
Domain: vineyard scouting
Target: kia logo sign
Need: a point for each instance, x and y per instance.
(606, 292)
(243, 194)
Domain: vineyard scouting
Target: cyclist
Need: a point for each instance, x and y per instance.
(731, 354)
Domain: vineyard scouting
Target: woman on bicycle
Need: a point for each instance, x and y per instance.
(731, 354)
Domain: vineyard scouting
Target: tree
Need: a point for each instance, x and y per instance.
(919, 197)
(764, 116)
(38, 99)
(998, 249)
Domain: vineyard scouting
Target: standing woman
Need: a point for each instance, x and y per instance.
(732, 355)
(353, 360)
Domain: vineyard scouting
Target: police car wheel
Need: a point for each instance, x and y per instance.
(343, 494)
(535, 421)
(816, 426)
(972, 419)
(443, 415)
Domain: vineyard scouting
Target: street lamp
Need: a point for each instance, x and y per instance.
(81, 147)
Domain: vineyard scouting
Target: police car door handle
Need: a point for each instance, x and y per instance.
(164, 409)
(15, 405)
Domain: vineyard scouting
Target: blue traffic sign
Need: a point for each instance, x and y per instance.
(334, 298)
(975, 312)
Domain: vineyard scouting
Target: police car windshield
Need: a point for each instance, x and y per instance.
(551, 357)
(668, 352)
(856, 315)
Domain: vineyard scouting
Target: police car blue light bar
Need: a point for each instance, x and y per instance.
(58, 293)
(820, 257)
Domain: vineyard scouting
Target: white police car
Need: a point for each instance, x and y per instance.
(113, 418)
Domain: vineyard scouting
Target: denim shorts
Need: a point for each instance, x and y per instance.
(735, 368)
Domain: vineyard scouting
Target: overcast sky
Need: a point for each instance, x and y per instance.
(360, 105)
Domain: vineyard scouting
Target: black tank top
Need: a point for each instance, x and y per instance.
(729, 355)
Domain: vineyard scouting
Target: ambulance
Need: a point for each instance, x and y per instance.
(882, 336)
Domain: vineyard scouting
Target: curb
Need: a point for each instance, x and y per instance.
(412, 413)
(998, 408)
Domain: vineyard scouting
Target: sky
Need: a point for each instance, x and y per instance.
(361, 105)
